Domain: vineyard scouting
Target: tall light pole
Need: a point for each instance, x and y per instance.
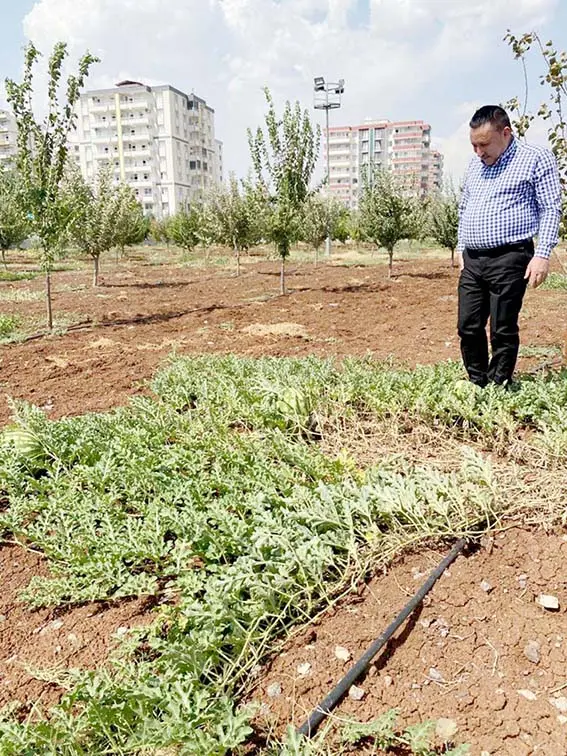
(327, 96)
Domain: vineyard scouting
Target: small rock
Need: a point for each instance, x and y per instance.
(559, 703)
(562, 719)
(441, 626)
(388, 681)
(55, 625)
(547, 601)
(274, 690)
(304, 669)
(486, 587)
(425, 623)
(121, 631)
(498, 701)
(446, 729)
(529, 695)
(342, 653)
(487, 543)
(73, 639)
(3, 618)
(523, 581)
(532, 651)
(356, 693)
(435, 675)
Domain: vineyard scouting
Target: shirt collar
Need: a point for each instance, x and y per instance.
(508, 152)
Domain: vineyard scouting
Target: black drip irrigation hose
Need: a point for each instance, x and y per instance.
(309, 728)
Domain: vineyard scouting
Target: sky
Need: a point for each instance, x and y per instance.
(435, 60)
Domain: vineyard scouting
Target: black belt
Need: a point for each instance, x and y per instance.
(522, 246)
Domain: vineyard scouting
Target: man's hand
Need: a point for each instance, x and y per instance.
(460, 261)
(537, 271)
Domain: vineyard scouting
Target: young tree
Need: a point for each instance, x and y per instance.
(445, 221)
(13, 224)
(553, 111)
(284, 160)
(315, 221)
(206, 227)
(131, 227)
(42, 151)
(158, 230)
(93, 226)
(258, 207)
(340, 221)
(184, 227)
(231, 217)
(388, 213)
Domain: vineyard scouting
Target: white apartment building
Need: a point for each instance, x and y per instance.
(402, 146)
(218, 163)
(8, 137)
(160, 141)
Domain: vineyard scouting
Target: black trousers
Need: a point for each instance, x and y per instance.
(492, 284)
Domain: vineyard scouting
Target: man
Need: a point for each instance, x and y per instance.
(511, 194)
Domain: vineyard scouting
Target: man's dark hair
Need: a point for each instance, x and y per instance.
(492, 114)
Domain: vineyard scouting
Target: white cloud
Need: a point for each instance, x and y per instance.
(228, 50)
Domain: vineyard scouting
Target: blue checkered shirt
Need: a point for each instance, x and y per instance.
(515, 199)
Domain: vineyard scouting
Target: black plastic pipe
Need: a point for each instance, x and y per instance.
(309, 728)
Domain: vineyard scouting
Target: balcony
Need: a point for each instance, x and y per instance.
(140, 135)
(137, 153)
(101, 108)
(105, 138)
(134, 103)
(139, 120)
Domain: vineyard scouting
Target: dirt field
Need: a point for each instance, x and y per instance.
(475, 640)
(143, 312)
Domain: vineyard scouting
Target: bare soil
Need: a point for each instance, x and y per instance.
(121, 333)
(143, 312)
(463, 656)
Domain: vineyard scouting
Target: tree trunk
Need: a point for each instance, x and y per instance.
(48, 300)
(452, 258)
(282, 276)
(237, 253)
(390, 262)
(95, 270)
(4, 258)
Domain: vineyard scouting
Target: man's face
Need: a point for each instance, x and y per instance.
(489, 142)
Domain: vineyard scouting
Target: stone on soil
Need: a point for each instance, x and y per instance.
(532, 651)
(274, 690)
(356, 693)
(547, 601)
(445, 729)
(342, 653)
